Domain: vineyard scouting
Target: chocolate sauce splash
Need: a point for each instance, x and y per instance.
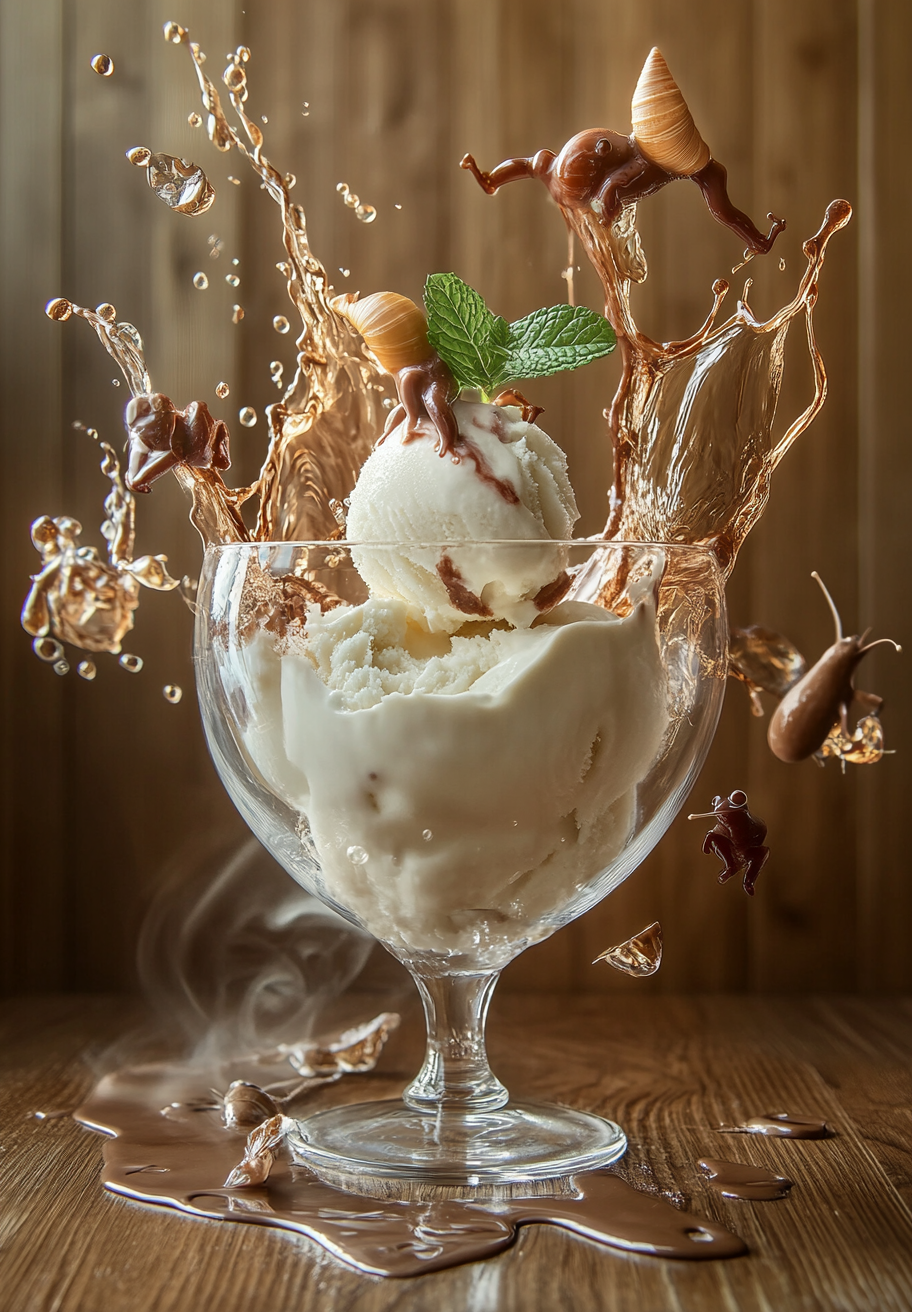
(741, 1180)
(736, 839)
(780, 1125)
(180, 1161)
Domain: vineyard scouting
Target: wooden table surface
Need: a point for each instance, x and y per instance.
(669, 1070)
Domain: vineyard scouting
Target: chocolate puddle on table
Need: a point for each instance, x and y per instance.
(780, 1125)
(742, 1180)
(182, 1159)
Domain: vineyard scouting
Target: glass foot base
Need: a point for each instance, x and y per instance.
(521, 1142)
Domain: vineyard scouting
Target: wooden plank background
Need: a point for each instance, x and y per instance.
(104, 784)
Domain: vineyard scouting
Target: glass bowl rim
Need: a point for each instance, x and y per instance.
(336, 544)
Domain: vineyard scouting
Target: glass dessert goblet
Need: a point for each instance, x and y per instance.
(460, 748)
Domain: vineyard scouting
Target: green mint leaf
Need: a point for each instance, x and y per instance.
(560, 337)
(464, 332)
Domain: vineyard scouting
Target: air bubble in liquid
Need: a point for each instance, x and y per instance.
(132, 664)
(86, 670)
(222, 390)
(281, 324)
(356, 855)
(47, 649)
(247, 416)
(200, 281)
(172, 693)
(237, 313)
(103, 65)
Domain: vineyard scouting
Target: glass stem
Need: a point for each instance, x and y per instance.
(456, 1074)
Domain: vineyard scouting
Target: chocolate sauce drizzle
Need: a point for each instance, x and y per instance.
(181, 1160)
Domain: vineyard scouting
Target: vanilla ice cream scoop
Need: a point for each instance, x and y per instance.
(505, 480)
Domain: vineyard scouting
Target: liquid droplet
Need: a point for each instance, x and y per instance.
(639, 956)
(235, 181)
(183, 186)
(263, 119)
(61, 667)
(782, 265)
(235, 261)
(247, 416)
(58, 309)
(346, 273)
(427, 834)
(397, 207)
(232, 279)
(172, 693)
(103, 65)
(106, 311)
(139, 155)
(281, 324)
(86, 670)
(356, 855)
(132, 664)
(194, 119)
(243, 54)
(237, 313)
(47, 649)
(366, 213)
(174, 33)
(115, 382)
(387, 403)
(222, 390)
(235, 78)
(200, 281)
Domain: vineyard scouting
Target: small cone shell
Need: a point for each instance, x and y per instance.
(662, 124)
(393, 328)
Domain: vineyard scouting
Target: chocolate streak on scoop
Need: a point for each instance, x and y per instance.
(779, 1125)
(753, 1184)
(193, 1154)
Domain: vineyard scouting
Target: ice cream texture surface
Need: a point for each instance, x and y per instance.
(507, 481)
(456, 799)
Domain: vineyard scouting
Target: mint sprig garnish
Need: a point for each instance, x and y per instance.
(484, 351)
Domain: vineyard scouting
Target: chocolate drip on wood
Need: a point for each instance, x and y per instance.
(180, 1160)
(779, 1125)
(753, 1184)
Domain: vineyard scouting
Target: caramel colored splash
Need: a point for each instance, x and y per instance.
(78, 597)
(181, 1159)
(715, 392)
(764, 661)
(639, 956)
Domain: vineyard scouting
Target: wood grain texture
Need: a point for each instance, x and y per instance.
(669, 1070)
(397, 91)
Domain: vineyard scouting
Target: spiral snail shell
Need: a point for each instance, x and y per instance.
(393, 327)
(662, 124)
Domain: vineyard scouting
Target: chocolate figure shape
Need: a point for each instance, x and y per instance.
(804, 719)
(161, 437)
(737, 839)
(603, 171)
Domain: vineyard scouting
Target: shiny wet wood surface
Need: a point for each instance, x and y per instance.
(669, 1069)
